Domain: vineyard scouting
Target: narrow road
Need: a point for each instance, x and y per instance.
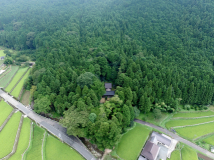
(175, 136)
(52, 126)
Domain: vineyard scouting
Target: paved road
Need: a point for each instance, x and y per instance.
(175, 136)
(52, 126)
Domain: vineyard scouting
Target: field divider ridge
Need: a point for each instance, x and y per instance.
(191, 117)
(16, 139)
(18, 81)
(8, 118)
(5, 73)
(192, 125)
(203, 136)
(43, 146)
(30, 141)
(11, 79)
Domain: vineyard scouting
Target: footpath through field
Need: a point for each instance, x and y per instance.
(52, 126)
(209, 154)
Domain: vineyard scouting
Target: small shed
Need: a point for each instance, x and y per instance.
(2, 58)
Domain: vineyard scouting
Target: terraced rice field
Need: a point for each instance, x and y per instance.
(5, 110)
(53, 149)
(175, 155)
(56, 150)
(188, 154)
(193, 114)
(209, 140)
(15, 79)
(8, 135)
(196, 131)
(184, 122)
(19, 86)
(132, 142)
(34, 152)
(7, 78)
(23, 140)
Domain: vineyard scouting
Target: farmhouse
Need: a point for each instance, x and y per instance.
(159, 146)
(109, 93)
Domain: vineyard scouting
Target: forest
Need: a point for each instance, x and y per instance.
(158, 54)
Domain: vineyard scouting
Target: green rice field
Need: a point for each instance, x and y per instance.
(23, 140)
(188, 154)
(4, 80)
(210, 140)
(15, 79)
(8, 135)
(35, 151)
(5, 110)
(132, 142)
(175, 155)
(56, 150)
(19, 86)
(193, 114)
(184, 122)
(2, 53)
(196, 131)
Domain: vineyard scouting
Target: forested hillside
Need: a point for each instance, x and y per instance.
(157, 54)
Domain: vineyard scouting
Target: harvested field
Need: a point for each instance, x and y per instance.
(26, 98)
(7, 78)
(15, 79)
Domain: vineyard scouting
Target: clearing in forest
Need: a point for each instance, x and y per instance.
(23, 140)
(16, 78)
(8, 134)
(56, 150)
(5, 110)
(194, 132)
(19, 86)
(4, 80)
(188, 153)
(184, 122)
(35, 150)
(193, 114)
(132, 142)
(2, 53)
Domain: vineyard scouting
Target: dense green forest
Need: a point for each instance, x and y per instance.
(157, 53)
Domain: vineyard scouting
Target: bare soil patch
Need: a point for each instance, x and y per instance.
(26, 98)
